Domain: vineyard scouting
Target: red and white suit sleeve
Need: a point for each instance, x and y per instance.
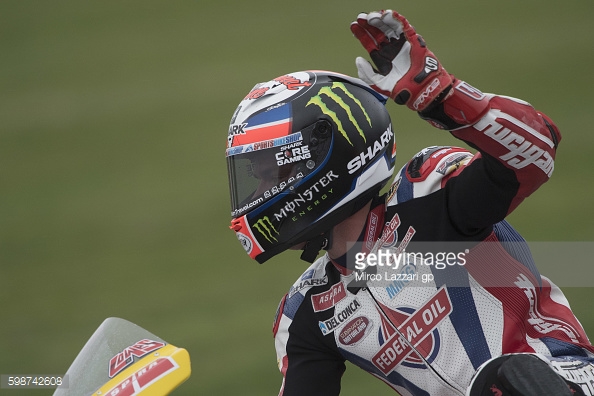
(516, 145)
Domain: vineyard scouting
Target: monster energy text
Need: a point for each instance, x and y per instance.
(330, 92)
(316, 191)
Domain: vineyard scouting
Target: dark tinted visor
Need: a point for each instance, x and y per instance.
(260, 171)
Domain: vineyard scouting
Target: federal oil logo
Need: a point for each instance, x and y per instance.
(416, 333)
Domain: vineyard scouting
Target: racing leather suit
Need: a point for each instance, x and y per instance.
(425, 329)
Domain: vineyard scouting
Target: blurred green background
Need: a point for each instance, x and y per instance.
(113, 189)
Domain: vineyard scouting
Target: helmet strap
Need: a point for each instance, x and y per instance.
(313, 246)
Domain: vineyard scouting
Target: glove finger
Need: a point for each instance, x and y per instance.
(399, 23)
(390, 28)
(375, 33)
(365, 71)
(364, 37)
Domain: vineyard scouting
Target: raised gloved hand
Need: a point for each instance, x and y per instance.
(406, 70)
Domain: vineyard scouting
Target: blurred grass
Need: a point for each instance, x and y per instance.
(113, 191)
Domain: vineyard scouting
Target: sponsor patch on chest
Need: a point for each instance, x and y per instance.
(412, 332)
(329, 298)
(340, 316)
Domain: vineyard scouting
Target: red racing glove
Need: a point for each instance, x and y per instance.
(406, 70)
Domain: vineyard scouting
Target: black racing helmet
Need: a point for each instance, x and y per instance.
(304, 152)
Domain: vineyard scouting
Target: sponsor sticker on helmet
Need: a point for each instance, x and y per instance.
(331, 93)
(245, 242)
(369, 154)
(265, 144)
(292, 153)
(313, 195)
(265, 227)
(291, 82)
(282, 185)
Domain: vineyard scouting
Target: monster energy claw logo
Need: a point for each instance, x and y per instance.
(265, 227)
(330, 92)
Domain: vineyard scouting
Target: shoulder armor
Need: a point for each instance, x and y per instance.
(432, 159)
(315, 275)
(427, 172)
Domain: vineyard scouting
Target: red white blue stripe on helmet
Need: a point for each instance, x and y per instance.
(264, 126)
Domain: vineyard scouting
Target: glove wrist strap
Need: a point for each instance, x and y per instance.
(459, 105)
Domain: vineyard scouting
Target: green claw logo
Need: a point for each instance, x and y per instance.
(265, 227)
(331, 94)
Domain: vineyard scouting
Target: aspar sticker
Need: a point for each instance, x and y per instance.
(329, 298)
(126, 357)
(328, 326)
(355, 331)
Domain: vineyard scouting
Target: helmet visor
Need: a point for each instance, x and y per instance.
(260, 171)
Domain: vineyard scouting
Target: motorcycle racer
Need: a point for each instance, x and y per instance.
(468, 312)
